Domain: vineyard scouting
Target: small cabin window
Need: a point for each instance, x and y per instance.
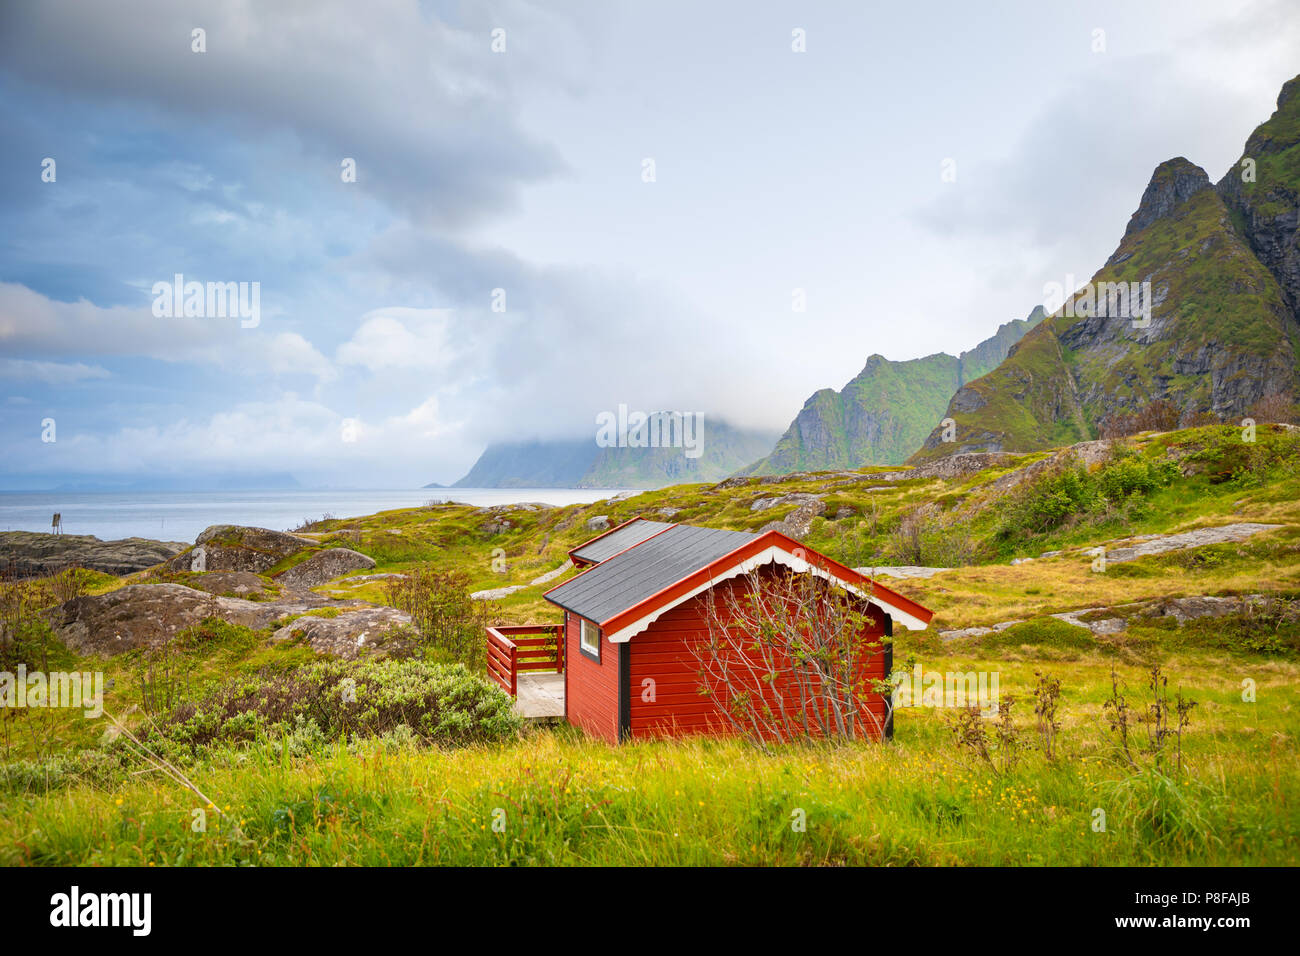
(590, 640)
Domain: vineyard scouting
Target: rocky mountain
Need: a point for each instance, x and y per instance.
(1215, 327)
(882, 415)
(582, 463)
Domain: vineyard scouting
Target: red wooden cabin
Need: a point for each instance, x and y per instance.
(624, 656)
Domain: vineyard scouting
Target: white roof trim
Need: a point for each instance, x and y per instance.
(771, 555)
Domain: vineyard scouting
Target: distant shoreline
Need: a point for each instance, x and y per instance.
(182, 515)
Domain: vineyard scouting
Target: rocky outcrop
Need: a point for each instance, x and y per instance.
(1162, 543)
(145, 616)
(228, 547)
(31, 554)
(1259, 189)
(372, 631)
(242, 584)
(798, 522)
(149, 615)
(901, 571)
(1174, 181)
(323, 567)
(794, 498)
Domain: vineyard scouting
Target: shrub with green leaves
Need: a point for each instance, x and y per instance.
(1071, 495)
(442, 704)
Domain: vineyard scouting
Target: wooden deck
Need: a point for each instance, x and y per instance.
(540, 695)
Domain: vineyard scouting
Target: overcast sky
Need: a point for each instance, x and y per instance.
(378, 359)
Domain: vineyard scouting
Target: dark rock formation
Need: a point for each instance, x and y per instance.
(31, 554)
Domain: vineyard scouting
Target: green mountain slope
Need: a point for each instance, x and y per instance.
(885, 412)
(1224, 274)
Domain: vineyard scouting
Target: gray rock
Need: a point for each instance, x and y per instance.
(362, 578)
(323, 567)
(370, 630)
(150, 615)
(798, 522)
(598, 523)
(32, 554)
(795, 498)
(235, 583)
(901, 571)
(962, 632)
(1109, 625)
(1174, 182)
(494, 594)
(551, 575)
(1193, 608)
(1162, 543)
(227, 547)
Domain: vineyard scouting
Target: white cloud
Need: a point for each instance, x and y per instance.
(400, 338)
(51, 373)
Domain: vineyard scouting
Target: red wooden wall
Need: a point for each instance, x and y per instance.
(590, 689)
(662, 653)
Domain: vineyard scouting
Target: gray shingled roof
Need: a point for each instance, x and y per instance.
(620, 540)
(629, 578)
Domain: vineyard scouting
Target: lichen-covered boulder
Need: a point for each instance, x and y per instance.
(323, 567)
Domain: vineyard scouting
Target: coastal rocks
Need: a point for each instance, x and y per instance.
(373, 631)
(227, 547)
(323, 567)
(31, 554)
(598, 523)
(151, 615)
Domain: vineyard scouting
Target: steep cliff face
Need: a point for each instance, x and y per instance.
(1263, 190)
(1214, 326)
(883, 414)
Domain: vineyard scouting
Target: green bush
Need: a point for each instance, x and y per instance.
(443, 704)
(1071, 494)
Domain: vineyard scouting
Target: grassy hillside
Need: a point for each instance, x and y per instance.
(69, 793)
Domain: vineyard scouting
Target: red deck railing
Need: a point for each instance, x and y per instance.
(512, 648)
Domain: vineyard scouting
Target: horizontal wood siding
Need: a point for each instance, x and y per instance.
(663, 654)
(591, 689)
